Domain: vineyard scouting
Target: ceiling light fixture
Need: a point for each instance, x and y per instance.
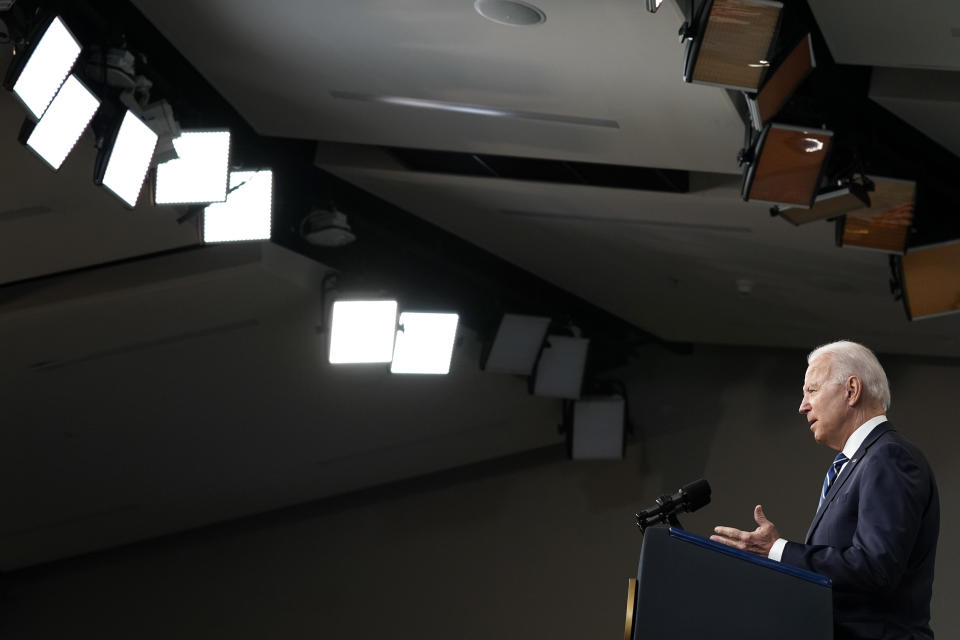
(730, 43)
(930, 277)
(885, 224)
(44, 68)
(62, 124)
(362, 331)
(829, 204)
(598, 428)
(785, 165)
(246, 213)
(327, 228)
(424, 343)
(123, 162)
(559, 372)
(516, 345)
(474, 109)
(781, 84)
(199, 174)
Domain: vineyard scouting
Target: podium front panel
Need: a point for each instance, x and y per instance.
(689, 587)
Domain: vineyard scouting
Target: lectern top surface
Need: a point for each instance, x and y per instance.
(809, 576)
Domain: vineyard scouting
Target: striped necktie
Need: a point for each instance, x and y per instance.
(832, 473)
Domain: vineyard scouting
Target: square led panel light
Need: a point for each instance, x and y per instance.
(246, 213)
(931, 280)
(517, 344)
(46, 67)
(63, 122)
(598, 428)
(559, 372)
(733, 40)
(199, 174)
(781, 84)
(424, 343)
(128, 158)
(787, 166)
(826, 205)
(362, 331)
(883, 226)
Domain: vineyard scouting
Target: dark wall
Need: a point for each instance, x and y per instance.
(535, 546)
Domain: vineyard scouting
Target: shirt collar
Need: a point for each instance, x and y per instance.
(857, 437)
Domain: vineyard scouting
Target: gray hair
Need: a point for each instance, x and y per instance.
(852, 359)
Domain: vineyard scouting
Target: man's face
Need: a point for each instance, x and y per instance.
(825, 404)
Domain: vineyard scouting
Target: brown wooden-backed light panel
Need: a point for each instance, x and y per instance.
(789, 165)
(737, 35)
(931, 280)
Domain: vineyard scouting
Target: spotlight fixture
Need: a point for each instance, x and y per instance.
(246, 213)
(785, 165)
(424, 343)
(781, 84)
(199, 174)
(362, 331)
(730, 43)
(327, 227)
(43, 70)
(930, 277)
(598, 428)
(559, 371)
(62, 124)
(159, 117)
(517, 344)
(123, 162)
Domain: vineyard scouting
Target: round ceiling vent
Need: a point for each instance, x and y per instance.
(510, 12)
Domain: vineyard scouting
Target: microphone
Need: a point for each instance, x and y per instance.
(688, 498)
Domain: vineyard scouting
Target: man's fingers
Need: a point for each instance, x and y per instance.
(728, 532)
(730, 542)
(758, 515)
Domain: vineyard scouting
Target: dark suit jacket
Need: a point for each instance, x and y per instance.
(876, 537)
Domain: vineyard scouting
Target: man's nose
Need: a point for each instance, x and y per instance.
(804, 406)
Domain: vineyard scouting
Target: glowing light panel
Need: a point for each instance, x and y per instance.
(362, 331)
(63, 122)
(199, 174)
(246, 213)
(47, 67)
(130, 158)
(424, 343)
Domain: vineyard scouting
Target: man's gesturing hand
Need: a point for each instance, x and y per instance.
(758, 541)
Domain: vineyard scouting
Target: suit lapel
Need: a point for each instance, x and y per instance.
(847, 472)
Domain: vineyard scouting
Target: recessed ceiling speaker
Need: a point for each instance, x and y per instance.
(510, 12)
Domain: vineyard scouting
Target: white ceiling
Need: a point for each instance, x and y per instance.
(155, 396)
(887, 33)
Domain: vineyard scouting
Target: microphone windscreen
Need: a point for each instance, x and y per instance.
(696, 494)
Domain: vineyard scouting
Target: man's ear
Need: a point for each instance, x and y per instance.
(854, 390)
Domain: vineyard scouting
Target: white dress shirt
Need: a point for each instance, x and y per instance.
(849, 448)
